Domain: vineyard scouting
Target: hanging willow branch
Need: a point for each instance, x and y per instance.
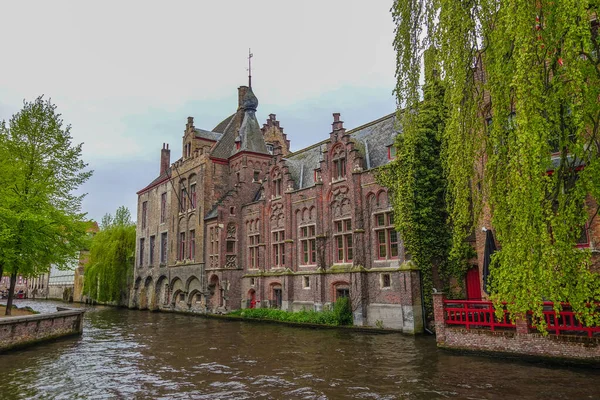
(522, 83)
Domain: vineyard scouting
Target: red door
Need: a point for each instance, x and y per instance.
(473, 284)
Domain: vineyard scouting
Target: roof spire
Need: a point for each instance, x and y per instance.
(250, 55)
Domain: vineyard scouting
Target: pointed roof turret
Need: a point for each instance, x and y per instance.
(242, 132)
(250, 133)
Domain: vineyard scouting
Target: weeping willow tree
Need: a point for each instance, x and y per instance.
(110, 266)
(521, 139)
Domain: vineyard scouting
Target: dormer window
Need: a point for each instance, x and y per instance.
(339, 164)
(270, 148)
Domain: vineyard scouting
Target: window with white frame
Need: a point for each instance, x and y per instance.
(343, 240)
(386, 236)
(308, 245)
(253, 240)
(278, 248)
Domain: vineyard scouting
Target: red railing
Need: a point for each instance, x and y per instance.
(477, 314)
(481, 314)
(565, 322)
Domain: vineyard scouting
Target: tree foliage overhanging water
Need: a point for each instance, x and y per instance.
(522, 82)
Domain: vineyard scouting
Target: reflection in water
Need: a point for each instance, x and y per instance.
(135, 354)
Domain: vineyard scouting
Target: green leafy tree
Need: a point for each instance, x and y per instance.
(534, 68)
(416, 179)
(112, 254)
(40, 217)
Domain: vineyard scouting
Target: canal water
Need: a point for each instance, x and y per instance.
(126, 354)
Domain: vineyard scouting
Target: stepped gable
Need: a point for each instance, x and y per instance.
(372, 139)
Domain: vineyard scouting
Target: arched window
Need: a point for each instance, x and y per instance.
(277, 183)
(339, 163)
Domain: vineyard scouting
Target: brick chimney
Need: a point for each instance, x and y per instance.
(337, 124)
(165, 158)
(241, 93)
(190, 124)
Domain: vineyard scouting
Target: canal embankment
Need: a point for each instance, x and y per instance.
(27, 330)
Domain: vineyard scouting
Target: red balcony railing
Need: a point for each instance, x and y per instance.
(475, 314)
(565, 322)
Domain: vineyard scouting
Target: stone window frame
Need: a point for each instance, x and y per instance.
(152, 249)
(278, 246)
(181, 249)
(338, 163)
(163, 207)
(213, 246)
(308, 244)
(192, 245)
(277, 178)
(385, 280)
(384, 232)
(141, 251)
(253, 232)
(163, 247)
(343, 231)
(182, 196)
(144, 214)
(306, 282)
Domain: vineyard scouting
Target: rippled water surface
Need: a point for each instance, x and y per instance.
(127, 354)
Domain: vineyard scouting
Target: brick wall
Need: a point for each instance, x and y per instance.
(517, 341)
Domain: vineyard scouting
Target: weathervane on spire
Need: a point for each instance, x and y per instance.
(250, 55)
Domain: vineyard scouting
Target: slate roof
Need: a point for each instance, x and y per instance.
(249, 131)
(164, 176)
(372, 139)
(251, 135)
(214, 211)
(201, 133)
(220, 128)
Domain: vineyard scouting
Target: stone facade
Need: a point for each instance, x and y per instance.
(251, 224)
(24, 331)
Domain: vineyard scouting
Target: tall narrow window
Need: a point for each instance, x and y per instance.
(213, 247)
(343, 240)
(277, 184)
(144, 214)
(182, 245)
(253, 240)
(339, 163)
(279, 248)
(142, 252)
(386, 235)
(192, 252)
(163, 248)
(308, 245)
(163, 207)
(152, 244)
(193, 195)
(183, 199)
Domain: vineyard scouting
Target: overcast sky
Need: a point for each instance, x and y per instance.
(126, 74)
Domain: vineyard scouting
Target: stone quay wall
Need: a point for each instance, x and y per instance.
(24, 331)
(519, 341)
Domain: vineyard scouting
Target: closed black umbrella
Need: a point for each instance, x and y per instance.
(488, 250)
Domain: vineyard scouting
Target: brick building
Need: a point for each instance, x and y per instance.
(240, 221)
